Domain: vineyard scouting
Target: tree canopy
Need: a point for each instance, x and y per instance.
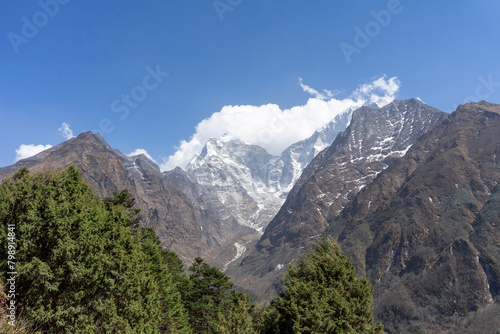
(322, 294)
(83, 264)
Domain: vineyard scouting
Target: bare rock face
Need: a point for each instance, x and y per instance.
(374, 139)
(185, 220)
(426, 231)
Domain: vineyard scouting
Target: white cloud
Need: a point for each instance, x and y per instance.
(65, 131)
(141, 151)
(381, 91)
(275, 129)
(328, 94)
(26, 151)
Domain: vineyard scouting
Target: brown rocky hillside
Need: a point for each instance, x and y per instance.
(426, 231)
(375, 138)
(188, 224)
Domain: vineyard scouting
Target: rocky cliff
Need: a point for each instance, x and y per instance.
(426, 231)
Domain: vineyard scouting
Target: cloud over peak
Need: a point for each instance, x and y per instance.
(275, 129)
(26, 151)
(65, 131)
(322, 96)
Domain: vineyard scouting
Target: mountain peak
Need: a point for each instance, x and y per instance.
(374, 139)
(416, 100)
(429, 225)
(481, 106)
(144, 160)
(413, 101)
(87, 138)
(225, 149)
(89, 135)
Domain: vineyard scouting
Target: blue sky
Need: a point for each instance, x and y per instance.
(179, 62)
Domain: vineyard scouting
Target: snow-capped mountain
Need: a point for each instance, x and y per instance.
(252, 183)
(375, 138)
(297, 156)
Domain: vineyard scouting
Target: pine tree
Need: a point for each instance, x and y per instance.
(240, 316)
(322, 294)
(205, 295)
(84, 265)
(125, 199)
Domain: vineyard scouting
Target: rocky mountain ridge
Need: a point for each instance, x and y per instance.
(410, 193)
(187, 221)
(252, 183)
(374, 139)
(426, 231)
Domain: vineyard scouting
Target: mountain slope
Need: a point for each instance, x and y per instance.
(239, 174)
(184, 224)
(374, 139)
(426, 231)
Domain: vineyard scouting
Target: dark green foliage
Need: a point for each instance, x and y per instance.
(205, 295)
(322, 294)
(80, 267)
(241, 316)
(127, 201)
(214, 306)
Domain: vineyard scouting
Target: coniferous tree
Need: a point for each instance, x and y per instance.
(240, 316)
(205, 295)
(126, 200)
(322, 294)
(84, 266)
